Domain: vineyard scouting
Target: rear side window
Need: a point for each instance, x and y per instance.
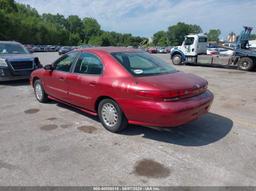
(88, 64)
(137, 61)
(202, 39)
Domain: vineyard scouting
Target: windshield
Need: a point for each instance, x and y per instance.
(11, 48)
(143, 64)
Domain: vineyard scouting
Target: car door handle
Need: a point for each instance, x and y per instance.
(93, 83)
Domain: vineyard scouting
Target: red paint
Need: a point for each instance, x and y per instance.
(162, 100)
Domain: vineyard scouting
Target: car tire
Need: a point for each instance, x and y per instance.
(176, 59)
(245, 63)
(111, 116)
(40, 94)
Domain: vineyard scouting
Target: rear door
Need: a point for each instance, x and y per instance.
(83, 83)
(55, 81)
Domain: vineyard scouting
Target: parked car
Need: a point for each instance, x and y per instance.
(43, 48)
(161, 50)
(29, 47)
(57, 48)
(212, 51)
(225, 52)
(168, 49)
(152, 50)
(215, 50)
(64, 50)
(230, 45)
(36, 48)
(49, 48)
(123, 86)
(16, 62)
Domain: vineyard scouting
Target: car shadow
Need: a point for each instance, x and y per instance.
(205, 130)
(216, 66)
(212, 65)
(15, 83)
(65, 106)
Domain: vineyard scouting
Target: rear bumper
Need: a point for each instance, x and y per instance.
(167, 114)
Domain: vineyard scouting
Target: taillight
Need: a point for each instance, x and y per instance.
(172, 95)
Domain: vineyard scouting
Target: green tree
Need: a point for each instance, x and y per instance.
(74, 38)
(213, 35)
(95, 40)
(160, 38)
(55, 19)
(74, 24)
(8, 5)
(23, 23)
(26, 10)
(176, 33)
(90, 29)
(253, 37)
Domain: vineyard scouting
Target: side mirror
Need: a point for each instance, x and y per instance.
(48, 67)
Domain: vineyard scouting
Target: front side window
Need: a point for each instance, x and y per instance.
(88, 64)
(12, 48)
(65, 62)
(142, 64)
(189, 40)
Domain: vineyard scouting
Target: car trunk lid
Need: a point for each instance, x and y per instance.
(171, 87)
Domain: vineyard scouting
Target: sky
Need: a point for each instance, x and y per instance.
(146, 17)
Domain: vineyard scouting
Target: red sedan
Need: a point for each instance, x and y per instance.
(123, 86)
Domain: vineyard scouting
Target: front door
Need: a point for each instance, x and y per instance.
(83, 82)
(56, 80)
(188, 46)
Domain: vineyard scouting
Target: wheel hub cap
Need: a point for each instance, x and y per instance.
(109, 114)
(245, 64)
(39, 91)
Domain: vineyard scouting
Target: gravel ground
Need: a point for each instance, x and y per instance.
(55, 145)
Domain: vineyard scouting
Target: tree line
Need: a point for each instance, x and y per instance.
(175, 34)
(24, 24)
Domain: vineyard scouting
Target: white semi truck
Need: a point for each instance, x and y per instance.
(192, 46)
(243, 58)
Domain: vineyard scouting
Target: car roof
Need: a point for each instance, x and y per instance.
(9, 42)
(110, 49)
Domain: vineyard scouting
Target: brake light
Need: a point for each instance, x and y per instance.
(172, 95)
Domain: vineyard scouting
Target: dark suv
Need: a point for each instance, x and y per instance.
(16, 62)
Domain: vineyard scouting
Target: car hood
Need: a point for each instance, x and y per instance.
(11, 57)
(173, 81)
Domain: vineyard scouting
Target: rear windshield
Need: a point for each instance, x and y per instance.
(11, 48)
(143, 64)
